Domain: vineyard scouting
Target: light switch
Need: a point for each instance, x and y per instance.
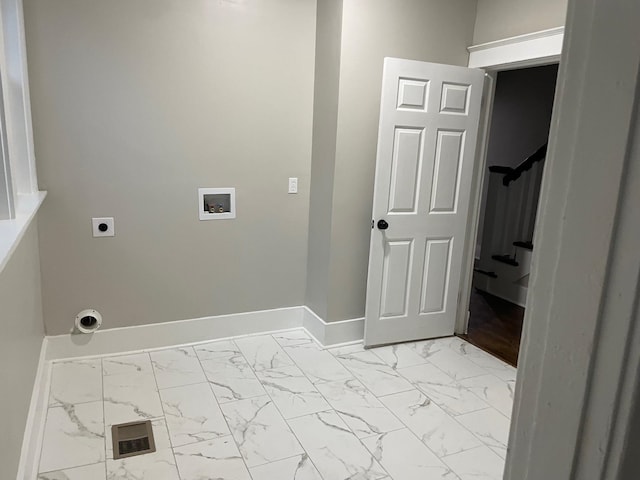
(293, 184)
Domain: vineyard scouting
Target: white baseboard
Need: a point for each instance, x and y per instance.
(182, 332)
(162, 335)
(513, 293)
(313, 324)
(333, 333)
(34, 429)
(167, 334)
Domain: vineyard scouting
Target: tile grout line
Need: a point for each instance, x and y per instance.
(236, 352)
(454, 417)
(167, 347)
(48, 408)
(244, 462)
(458, 382)
(416, 388)
(405, 426)
(104, 419)
(278, 409)
(70, 468)
(45, 420)
(444, 411)
(330, 405)
(477, 436)
(331, 409)
(382, 404)
(164, 414)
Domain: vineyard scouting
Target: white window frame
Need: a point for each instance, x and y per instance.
(19, 195)
(7, 207)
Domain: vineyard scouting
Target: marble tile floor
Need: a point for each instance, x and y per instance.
(280, 407)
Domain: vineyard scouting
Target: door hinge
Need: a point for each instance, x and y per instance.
(372, 224)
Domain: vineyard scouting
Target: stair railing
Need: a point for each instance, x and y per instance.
(511, 208)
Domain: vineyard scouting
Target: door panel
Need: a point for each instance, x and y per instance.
(426, 146)
(449, 156)
(397, 268)
(407, 157)
(412, 94)
(455, 98)
(435, 274)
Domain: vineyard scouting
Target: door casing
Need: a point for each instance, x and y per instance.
(529, 52)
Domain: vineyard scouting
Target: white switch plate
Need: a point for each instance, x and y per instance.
(293, 184)
(108, 221)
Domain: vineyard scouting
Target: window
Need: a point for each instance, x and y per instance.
(19, 196)
(17, 162)
(7, 210)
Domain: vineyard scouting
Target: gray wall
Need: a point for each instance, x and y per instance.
(497, 19)
(630, 464)
(520, 121)
(521, 114)
(135, 106)
(325, 118)
(429, 30)
(20, 342)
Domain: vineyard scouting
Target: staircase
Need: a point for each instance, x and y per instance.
(507, 240)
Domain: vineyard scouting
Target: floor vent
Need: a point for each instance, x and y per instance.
(130, 439)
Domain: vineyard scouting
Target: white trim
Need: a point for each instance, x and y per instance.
(477, 181)
(168, 334)
(521, 51)
(34, 430)
(14, 74)
(12, 231)
(313, 324)
(534, 49)
(26, 98)
(331, 334)
(195, 331)
(345, 331)
(91, 356)
(575, 392)
(201, 330)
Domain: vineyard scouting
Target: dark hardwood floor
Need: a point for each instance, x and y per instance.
(495, 326)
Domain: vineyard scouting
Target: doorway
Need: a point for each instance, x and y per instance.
(516, 151)
(410, 285)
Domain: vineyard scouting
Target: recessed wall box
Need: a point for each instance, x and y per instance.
(216, 203)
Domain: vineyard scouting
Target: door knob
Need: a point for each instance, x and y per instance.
(382, 225)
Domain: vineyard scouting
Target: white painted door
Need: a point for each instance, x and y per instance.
(429, 120)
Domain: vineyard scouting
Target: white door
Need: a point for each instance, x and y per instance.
(429, 120)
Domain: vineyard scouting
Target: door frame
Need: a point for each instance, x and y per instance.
(531, 50)
(577, 395)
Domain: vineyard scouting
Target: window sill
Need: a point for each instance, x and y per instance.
(12, 231)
